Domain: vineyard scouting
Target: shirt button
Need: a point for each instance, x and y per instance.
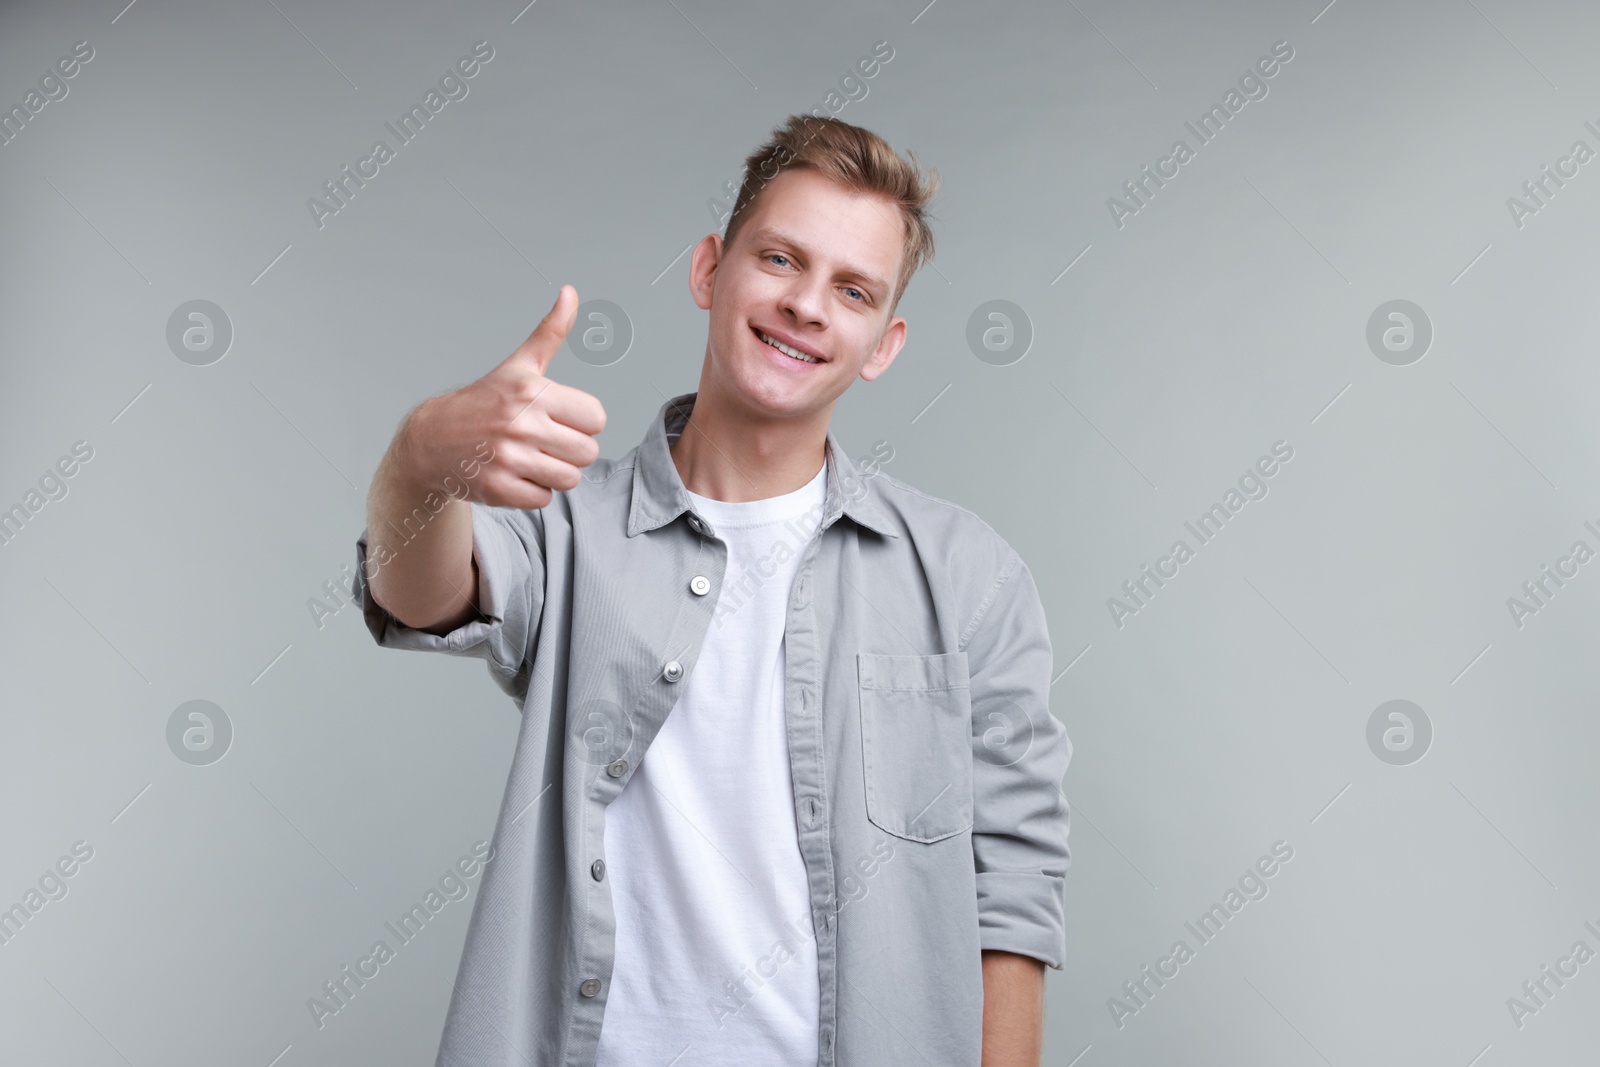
(617, 768)
(673, 671)
(590, 987)
(598, 869)
(700, 585)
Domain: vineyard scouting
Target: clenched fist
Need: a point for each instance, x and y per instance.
(523, 434)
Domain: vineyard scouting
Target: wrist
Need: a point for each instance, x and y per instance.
(409, 458)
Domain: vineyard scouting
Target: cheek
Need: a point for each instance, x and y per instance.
(729, 295)
(757, 290)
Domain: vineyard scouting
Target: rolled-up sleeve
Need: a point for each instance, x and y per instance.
(1020, 753)
(508, 545)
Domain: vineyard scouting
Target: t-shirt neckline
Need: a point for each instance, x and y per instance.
(766, 510)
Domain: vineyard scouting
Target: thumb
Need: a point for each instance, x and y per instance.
(540, 348)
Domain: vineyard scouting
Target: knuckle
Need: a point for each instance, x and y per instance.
(514, 406)
(529, 386)
(532, 495)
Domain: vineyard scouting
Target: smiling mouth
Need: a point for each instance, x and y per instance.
(792, 353)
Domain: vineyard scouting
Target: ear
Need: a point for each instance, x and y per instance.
(703, 269)
(888, 347)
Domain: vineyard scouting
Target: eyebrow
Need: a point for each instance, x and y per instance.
(877, 284)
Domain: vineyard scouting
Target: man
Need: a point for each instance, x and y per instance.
(787, 784)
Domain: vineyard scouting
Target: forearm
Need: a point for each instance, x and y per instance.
(419, 559)
(1013, 1009)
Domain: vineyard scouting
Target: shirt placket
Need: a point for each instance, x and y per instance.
(807, 767)
(697, 570)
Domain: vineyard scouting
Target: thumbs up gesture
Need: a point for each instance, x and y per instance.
(536, 432)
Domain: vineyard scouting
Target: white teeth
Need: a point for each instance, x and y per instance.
(786, 350)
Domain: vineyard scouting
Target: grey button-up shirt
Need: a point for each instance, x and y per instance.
(925, 762)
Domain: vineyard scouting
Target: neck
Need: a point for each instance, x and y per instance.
(726, 454)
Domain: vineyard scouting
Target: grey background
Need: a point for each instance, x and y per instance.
(1228, 314)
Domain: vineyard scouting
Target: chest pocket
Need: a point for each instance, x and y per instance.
(916, 743)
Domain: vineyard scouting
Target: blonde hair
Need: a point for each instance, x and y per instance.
(857, 159)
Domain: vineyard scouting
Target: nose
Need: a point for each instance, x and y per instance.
(805, 300)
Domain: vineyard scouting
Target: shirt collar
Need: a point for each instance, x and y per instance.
(659, 495)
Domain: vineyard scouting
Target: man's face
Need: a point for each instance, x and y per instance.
(813, 266)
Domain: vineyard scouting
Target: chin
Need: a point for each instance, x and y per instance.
(775, 396)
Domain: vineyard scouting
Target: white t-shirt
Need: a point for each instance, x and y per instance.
(716, 956)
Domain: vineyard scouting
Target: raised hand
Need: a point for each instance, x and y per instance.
(530, 434)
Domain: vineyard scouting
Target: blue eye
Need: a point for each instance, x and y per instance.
(858, 296)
